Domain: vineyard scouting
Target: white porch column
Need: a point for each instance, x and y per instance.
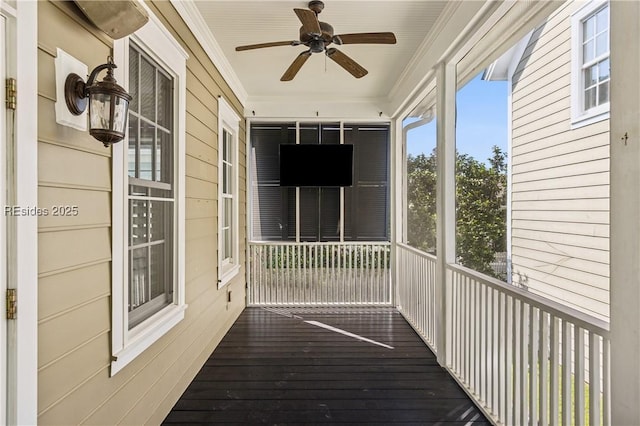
(625, 212)
(445, 197)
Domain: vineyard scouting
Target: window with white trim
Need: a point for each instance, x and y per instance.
(148, 193)
(590, 63)
(151, 188)
(228, 228)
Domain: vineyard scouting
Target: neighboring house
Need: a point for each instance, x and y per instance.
(558, 214)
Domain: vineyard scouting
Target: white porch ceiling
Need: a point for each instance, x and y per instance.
(241, 22)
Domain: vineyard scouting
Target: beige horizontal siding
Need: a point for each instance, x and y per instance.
(594, 141)
(571, 239)
(93, 208)
(564, 182)
(564, 216)
(75, 251)
(564, 135)
(60, 293)
(574, 281)
(562, 249)
(563, 193)
(541, 258)
(66, 250)
(562, 159)
(561, 291)
(593, 229)
(560, 181)
(528, 96)
(581, 169)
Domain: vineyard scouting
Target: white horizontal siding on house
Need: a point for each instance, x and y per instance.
(560, 184)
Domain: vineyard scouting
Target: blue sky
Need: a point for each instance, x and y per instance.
(482, 121)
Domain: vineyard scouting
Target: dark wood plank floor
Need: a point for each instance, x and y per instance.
(275, 367)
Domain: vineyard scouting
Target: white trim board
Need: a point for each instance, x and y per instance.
(4, 381)
(22, 23)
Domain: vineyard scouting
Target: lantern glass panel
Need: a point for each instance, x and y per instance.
(120, 114)
(99, 111)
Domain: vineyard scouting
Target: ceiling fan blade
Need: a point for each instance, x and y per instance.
(272, 44)
(365, 38)
(309, 21)
(347, 63)
(295, 66)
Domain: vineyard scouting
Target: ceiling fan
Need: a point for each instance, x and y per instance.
(317, 35)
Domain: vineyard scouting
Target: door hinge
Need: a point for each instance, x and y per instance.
(12, 303)
(12, 93)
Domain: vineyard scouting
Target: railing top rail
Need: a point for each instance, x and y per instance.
(557, 309)
(315, 243)
(417, 252)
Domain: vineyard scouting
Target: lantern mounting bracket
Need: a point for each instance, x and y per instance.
(76, 90)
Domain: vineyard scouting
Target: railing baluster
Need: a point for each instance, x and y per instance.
(500, 344)
(517, 360)
(595, 384)
(566, 373)
(579, 352)
(467, 335)
(606, 382)
(544, 367)
(533, 365)
(488, 348)
(524, 332)
(554, 373)
(509, 359)
(472, 332)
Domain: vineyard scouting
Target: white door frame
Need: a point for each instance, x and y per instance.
(20, 386)
(3, 229)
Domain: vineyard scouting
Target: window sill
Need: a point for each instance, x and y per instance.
(589, 118)
(147, 333)
(228, 275)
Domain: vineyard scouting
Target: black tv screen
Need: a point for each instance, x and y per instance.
(316, 165)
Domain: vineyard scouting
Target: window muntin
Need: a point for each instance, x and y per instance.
(595, 58)
(151, 202)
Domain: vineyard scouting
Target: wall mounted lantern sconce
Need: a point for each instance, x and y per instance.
(108, 103)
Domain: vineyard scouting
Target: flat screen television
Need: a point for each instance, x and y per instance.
(316, 165)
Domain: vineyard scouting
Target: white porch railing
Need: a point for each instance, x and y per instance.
(525, 359)
(416, 291)
(319, 274)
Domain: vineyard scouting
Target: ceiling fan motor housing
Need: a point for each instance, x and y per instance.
(326, 36)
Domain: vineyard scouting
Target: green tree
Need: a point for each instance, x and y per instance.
(480, 207)
(421, 197)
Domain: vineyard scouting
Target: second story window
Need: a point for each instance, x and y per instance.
(590, 63)
(595, 58)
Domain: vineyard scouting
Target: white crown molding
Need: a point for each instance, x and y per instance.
(447, 13)
(192, 17)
